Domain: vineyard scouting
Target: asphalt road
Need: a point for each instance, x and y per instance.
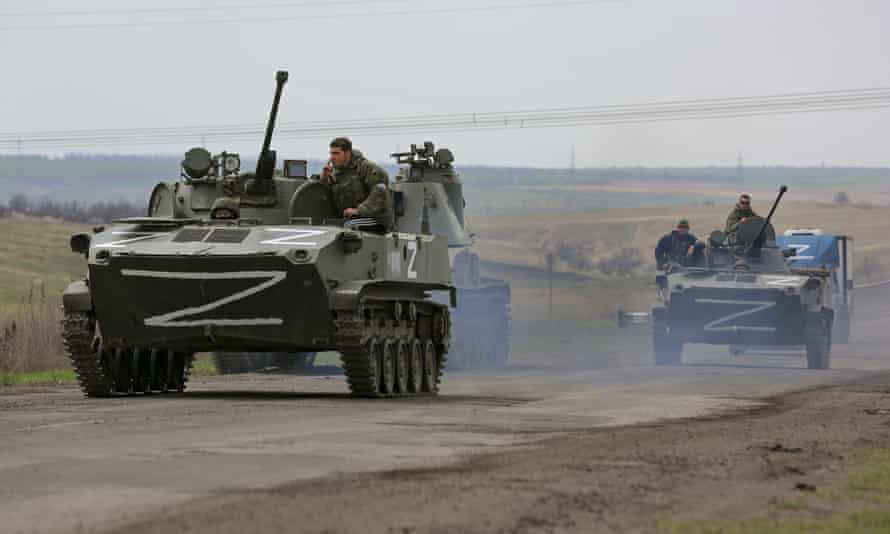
(69, 463)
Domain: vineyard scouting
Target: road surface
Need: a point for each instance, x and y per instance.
(69, 463)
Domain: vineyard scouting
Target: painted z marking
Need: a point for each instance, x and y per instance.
(170, 320)
(412, 248)
(293, 235)
(141, 236)
(756, 306)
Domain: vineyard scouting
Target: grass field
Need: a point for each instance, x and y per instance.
(36, 260)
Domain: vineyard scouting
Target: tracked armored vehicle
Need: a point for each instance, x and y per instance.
(256, 263)
(741, 291)
(481, 321)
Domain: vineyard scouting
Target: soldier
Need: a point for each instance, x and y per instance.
(679, 246)
(360, 187)
(224, 208)
(739, 214)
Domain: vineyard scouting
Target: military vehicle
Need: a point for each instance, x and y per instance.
(258, 262)
(814, 248)
(740, 290)
(481, 321)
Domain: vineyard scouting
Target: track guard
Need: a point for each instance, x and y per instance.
(77, 297)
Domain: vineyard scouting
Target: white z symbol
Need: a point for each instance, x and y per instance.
(756, 306)
(412, 248)
(141, 236)
(293, 235)
(798, 250)
(170, 319)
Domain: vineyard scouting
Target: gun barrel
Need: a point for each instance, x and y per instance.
(280, 80)
(782, 190)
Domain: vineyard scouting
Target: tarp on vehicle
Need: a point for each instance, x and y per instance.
(811, 250)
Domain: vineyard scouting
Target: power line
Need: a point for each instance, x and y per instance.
(666, 111)
(318, 16)
(196, 9)
(746, 102)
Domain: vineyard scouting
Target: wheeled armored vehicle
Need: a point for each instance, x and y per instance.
(255, 263)
(481, 321)
(814, 248)
(740, 290)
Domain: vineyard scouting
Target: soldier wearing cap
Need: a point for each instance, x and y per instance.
(360, 187)
(678, 246)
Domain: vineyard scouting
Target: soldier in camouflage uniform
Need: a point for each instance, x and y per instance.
(360, 187)
(739, 214)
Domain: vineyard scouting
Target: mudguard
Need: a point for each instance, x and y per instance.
(77, 297)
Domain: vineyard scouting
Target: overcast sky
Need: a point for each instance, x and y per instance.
(601, 53)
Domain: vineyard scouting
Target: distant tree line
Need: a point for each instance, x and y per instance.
(166, 166)
(79, 212)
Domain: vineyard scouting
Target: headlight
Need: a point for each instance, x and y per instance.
(231, 163)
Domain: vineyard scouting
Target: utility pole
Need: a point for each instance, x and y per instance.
(550, 261)
(740, 167)
(18, 157)
(572, 161)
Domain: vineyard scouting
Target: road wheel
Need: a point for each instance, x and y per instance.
(668, 349)
(817, 338)
(122, 366)
(430, 368)
(159, 370)
(144, 372)
(388, 367)
(403, 352)
(415, 367)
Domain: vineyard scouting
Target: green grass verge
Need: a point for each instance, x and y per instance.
(862, 505)
(203, 366)
(38, 378)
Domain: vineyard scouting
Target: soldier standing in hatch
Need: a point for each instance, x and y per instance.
(739, 214)
(679, 246)
(360, 187)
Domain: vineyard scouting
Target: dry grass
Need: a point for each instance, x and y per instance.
(30, 334)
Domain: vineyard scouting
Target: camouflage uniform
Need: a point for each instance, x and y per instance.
(363, 185)
(735, 217)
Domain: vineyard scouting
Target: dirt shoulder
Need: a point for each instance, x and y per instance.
(805, 462)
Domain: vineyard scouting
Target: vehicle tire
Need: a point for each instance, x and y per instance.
(817, 339)
(668, 349)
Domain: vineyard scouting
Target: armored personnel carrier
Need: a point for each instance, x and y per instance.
(481, 321)
(258, 262)
(740, 290)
